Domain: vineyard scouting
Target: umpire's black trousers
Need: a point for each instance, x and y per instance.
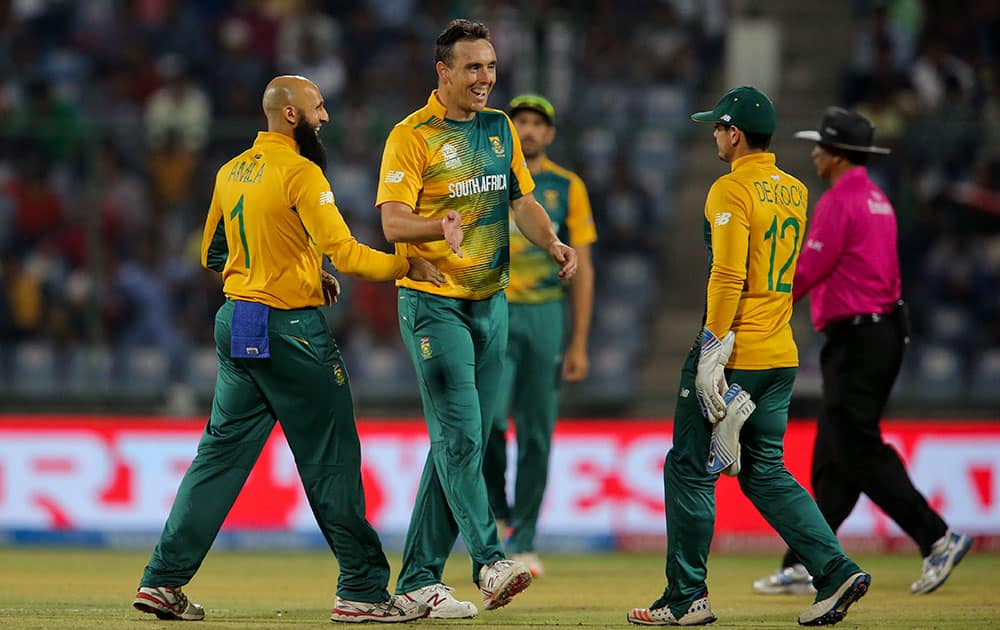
(860, 362)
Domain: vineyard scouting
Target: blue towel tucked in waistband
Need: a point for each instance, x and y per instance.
(249, 330)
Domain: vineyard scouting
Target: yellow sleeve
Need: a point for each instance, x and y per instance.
(727, 211)
(403, 162)
(579, 218)
(525, 183)
(214, 249)
(309, 193)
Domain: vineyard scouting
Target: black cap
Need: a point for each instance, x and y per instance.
(845, 130)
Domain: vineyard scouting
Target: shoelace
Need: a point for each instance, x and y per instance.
(388, 607)
(180, 599)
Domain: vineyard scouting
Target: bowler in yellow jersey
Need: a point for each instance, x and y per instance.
(271, 220)
(452, 173)
(754, 225)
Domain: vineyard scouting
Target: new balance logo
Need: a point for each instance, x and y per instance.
(436, 600)
(722, 218)
(325, 197)
(394, 177)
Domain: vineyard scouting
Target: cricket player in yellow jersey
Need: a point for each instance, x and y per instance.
(537, 358)
(452, 174)
(271, 219)
(754, 226)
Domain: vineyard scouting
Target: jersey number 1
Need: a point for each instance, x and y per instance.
(237, 213)
(772, 233)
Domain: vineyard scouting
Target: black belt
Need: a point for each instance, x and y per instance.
(897, 314)
(858, 320)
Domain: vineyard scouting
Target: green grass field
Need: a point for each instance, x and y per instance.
(72, 588)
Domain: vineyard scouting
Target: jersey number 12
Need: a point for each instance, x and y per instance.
(773, 235)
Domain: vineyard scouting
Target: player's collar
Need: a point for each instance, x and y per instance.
(757, 157)
(435, 105)
(274, 136)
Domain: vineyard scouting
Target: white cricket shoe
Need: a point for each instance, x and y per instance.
(793, 580)
(833, 609)
(532, 561)
(167, 602)
(946, 553)
(396, 609)
(442, 603)
(698, 614)
(501, 581)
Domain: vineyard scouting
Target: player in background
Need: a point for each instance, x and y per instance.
(537, 356)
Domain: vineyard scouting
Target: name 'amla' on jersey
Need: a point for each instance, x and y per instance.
(755, 218)
(272, 218)
(534, 276)
(476, 167)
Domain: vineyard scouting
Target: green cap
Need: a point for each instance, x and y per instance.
(745, 107)
(535, 103)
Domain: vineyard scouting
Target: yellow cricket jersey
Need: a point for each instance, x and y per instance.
(755, 219)
(271, 220)
(475, 167)
(534, 276)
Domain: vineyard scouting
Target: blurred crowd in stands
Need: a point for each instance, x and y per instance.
(928, 75)
(115, 115)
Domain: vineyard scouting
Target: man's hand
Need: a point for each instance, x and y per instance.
(451, 225)
(576, 365)
(331, 287)
(422, 270)
(710, 380)
(566, 257)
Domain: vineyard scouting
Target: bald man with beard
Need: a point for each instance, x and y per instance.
(271, 220)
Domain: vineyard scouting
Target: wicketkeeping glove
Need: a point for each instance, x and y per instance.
(710, 381)
(724, 447)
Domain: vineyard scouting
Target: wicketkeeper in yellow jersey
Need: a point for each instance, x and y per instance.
(538, 358)
(452, 173)
(271, 220)
(754, 226)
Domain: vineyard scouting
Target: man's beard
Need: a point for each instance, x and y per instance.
(309, 143)
(531, 152)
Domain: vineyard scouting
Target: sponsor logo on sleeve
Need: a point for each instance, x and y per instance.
(878, 204)
(722, 218)
(325, 198)
(394, 177)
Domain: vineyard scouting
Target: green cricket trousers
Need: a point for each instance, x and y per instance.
(457, 347)
(530, 391)
(690, 491)
(304, 384)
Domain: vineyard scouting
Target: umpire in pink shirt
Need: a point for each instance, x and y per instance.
(850, 265)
